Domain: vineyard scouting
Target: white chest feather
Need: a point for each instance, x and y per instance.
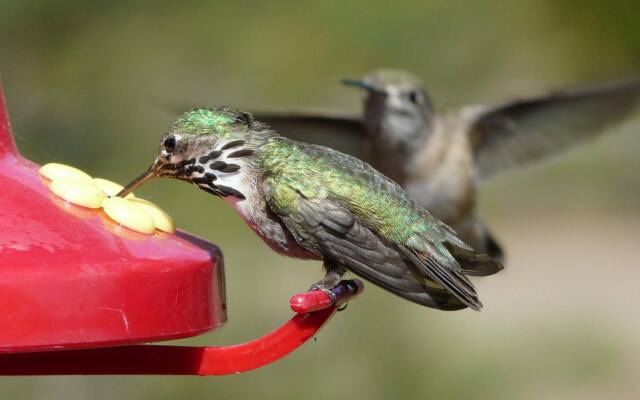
(254, 211)
(238, 182)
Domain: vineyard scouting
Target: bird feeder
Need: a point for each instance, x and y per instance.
(79, 294)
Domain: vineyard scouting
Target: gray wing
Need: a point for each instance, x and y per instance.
(521, 132)
(327, 228)
(343, 133)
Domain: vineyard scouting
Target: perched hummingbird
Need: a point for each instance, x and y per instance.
(440, 157)
(311, 202)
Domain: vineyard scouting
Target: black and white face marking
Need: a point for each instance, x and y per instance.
(219, 172)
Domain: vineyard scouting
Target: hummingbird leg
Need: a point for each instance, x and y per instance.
(331, 279)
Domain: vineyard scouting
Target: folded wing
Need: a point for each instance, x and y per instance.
(329, 229)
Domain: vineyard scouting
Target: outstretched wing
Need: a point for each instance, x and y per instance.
(520, 132)
(343, 133)
(329, 229)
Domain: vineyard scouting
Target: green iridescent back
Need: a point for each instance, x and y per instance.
(319, 172)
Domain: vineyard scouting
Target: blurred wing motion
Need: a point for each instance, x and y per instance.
(343, 133)
(329, 229)
(524, 131)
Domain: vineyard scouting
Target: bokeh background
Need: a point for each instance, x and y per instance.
(94, 84)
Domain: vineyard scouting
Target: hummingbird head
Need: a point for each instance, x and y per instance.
(397, 107)
(211, 147)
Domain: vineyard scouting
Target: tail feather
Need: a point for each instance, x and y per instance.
(439, 266)
(492, 246)
(447, 262)
(481, 254)
(473, 263)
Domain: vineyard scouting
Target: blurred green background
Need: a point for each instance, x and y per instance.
(94, 84)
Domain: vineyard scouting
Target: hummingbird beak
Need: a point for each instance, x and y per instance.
(152, 172)
(361, 85)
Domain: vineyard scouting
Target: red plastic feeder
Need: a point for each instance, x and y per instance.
(73, 285)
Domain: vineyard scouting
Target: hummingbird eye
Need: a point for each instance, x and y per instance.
(244, 118)
(414, 97)
(169, 144)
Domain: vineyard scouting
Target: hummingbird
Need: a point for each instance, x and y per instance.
(311, 202)
(441, 156)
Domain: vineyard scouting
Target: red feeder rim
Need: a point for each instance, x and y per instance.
(74, 284)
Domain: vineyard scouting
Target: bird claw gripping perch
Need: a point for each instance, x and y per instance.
(319, 298)
(325, 289)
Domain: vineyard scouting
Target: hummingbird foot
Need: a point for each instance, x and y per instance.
(318, 286)
(330, 280)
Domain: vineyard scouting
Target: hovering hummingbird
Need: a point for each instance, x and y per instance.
(440, 157)
(311, 202)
